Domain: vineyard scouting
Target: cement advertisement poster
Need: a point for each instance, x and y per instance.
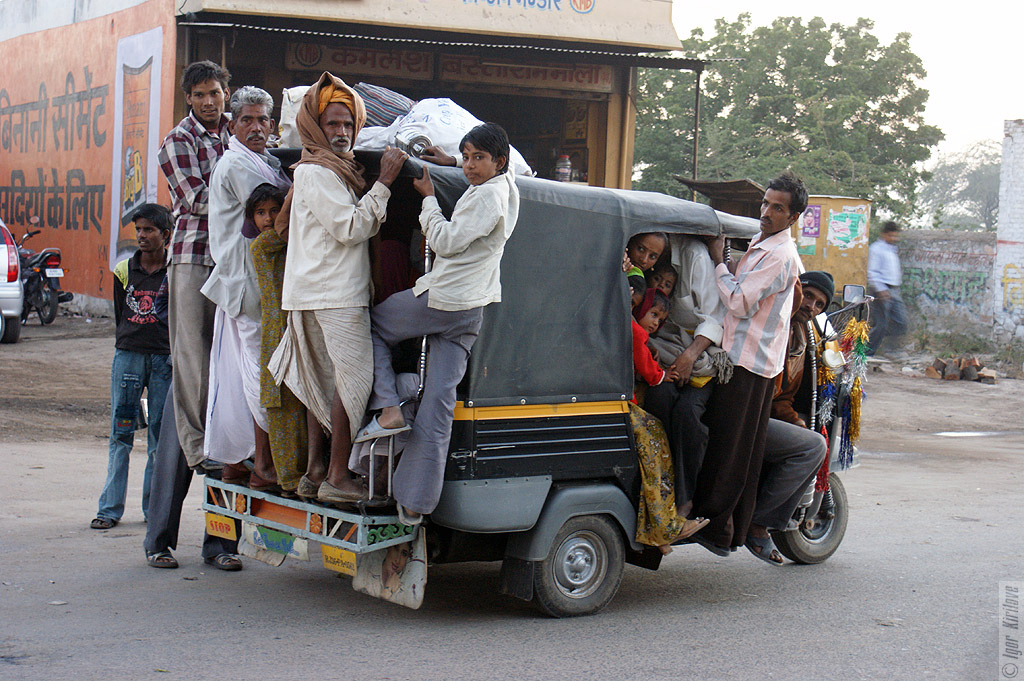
(136, 135)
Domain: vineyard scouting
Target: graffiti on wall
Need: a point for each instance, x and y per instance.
(1013, 287)
(954, 286)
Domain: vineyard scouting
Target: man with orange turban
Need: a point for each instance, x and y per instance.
(326, 356)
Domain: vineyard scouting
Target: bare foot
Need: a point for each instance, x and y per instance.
(665, 549)
(391, 417)
(759, 531)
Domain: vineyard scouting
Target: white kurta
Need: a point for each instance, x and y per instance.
(466, 273)
(328, 260)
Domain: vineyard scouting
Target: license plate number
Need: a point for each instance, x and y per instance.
(54, 272)
(338, 560)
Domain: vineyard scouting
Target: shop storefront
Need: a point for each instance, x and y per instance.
(90, 90)
(557, 74)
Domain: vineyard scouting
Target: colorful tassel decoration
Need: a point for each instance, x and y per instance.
(821, 482)
(855, 397)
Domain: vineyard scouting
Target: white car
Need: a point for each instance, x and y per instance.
(12, 292)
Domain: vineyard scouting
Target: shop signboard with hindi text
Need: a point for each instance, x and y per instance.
(636, 23)
(411, 65)
(59, 97)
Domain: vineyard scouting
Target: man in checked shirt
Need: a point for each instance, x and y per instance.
(187, 157)
(757, 293)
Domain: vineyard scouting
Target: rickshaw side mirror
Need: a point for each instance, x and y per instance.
(853, 294)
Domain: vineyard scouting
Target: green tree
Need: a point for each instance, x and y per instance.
(830, 102)
(963, 192)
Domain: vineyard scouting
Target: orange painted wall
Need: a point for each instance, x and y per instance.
(57, 103)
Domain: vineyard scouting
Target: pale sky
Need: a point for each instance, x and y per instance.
(971, 52)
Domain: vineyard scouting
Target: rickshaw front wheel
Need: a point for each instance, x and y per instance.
(583, 569)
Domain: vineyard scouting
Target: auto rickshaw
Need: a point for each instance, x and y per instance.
(542, 472)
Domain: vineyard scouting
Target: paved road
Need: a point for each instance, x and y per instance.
(911, 595)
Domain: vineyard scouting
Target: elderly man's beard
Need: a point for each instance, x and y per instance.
(341, 144)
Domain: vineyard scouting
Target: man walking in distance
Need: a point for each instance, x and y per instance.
(758, 296)
(187, 157)
(884, 278)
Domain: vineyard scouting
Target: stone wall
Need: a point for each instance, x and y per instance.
(1008, 268)
(948, 280)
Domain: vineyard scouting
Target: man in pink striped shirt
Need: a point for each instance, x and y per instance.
(757, 292)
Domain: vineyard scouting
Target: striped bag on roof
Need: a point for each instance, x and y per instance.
(383, 106)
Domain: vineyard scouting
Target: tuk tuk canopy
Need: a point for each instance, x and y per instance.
(562, 330)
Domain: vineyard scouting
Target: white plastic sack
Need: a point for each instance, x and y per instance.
(442, 121)
(291, 100)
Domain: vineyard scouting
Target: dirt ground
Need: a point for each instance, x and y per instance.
(56, 385)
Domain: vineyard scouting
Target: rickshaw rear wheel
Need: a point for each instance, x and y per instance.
(819, 537)
(583, 569)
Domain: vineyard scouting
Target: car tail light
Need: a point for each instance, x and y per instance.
(53, 260)
(12, 257)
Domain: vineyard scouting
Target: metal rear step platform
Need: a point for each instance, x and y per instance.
(347, 530)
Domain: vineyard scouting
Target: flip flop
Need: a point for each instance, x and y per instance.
(691, 526)
(161, 559)
(102, 523)
(373, 430)
(407, 517)
(763, 549)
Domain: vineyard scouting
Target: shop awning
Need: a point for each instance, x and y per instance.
(745, 191)
(510, 51)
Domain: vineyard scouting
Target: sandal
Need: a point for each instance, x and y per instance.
(373, 430)
(407, 517)
(722, 551)
(102, 523)
(307, 489)
(225, 561)
(764, 549)
(333, 495)
(161, 559)
(691, 526)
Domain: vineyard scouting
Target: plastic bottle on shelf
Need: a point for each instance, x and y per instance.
(563, 168)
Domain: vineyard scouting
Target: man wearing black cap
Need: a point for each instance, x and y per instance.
(793, 454)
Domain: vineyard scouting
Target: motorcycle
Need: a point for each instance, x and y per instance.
(41, 273)
(819, 523)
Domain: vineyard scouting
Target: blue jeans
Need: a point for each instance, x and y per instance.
(129, 374)
(890, 318)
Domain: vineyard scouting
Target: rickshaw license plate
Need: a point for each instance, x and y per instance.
(339, 560)
(220, 526)
(54, 272)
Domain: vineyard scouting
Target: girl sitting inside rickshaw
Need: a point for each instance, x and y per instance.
(658, 523)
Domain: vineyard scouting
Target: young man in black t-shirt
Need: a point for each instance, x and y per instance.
(141, 358)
